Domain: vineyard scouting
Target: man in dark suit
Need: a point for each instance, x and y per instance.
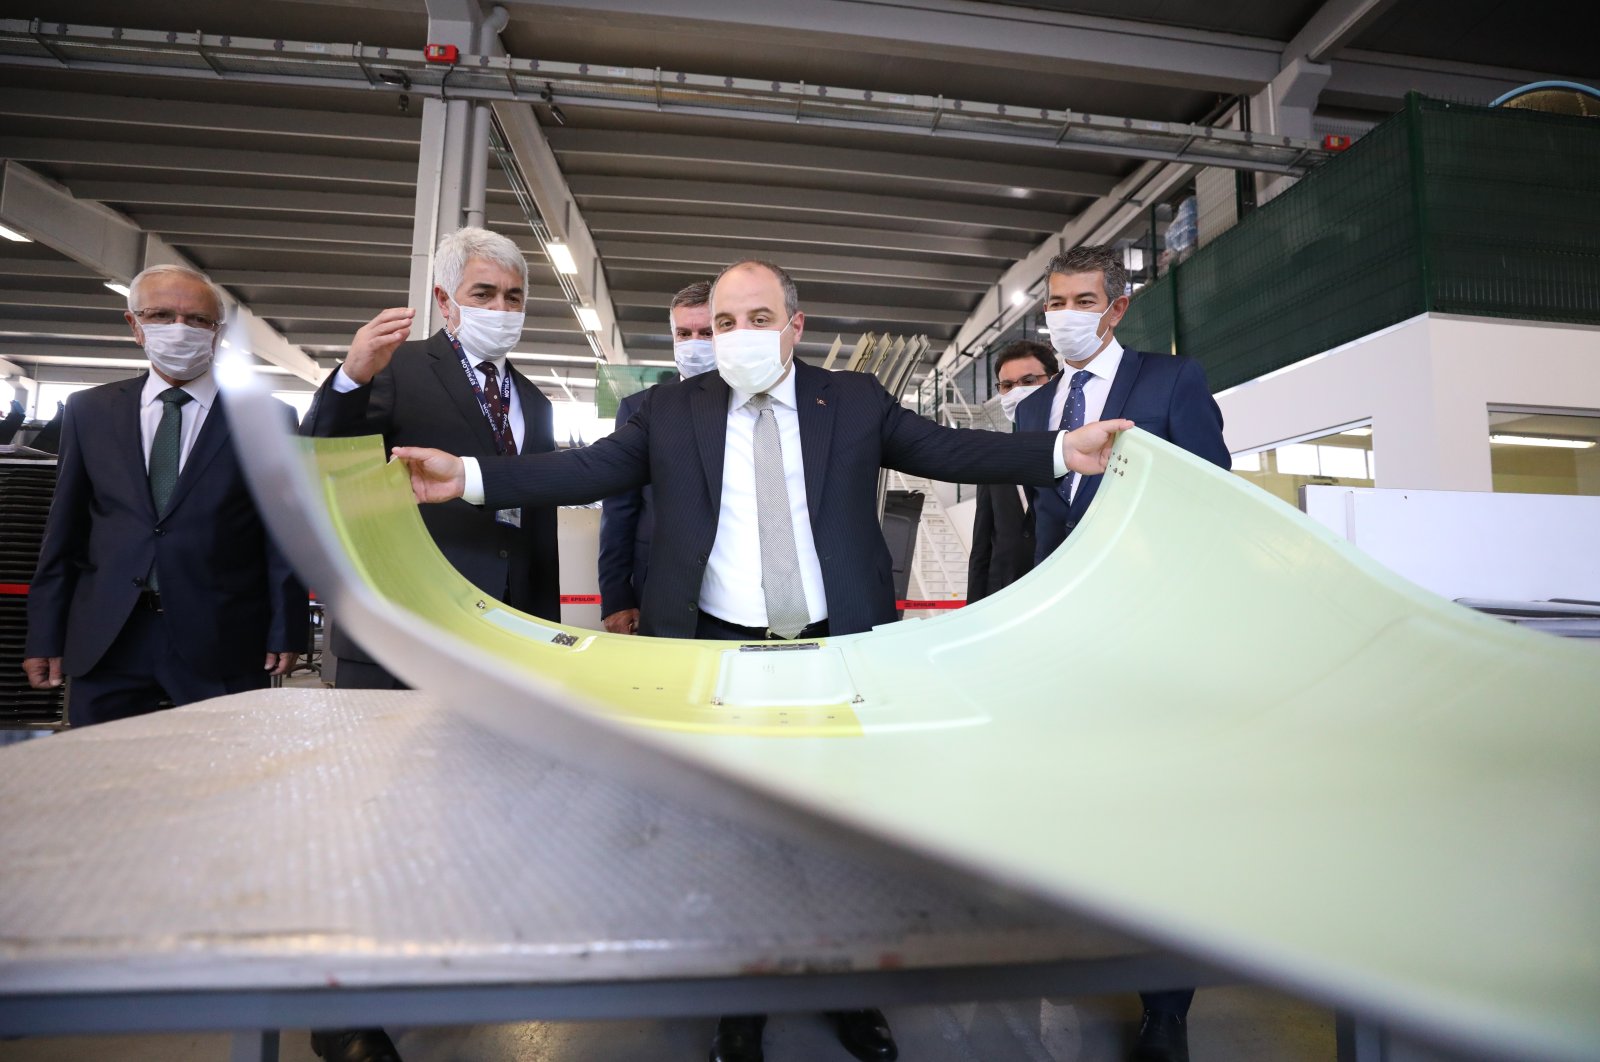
(157, 579)
(1165, 395)
(1002, 521)
(626, 520)
(455, 390)
(765, 477)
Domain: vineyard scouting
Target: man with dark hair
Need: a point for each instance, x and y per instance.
(1165, 395)
(626, 522)
(765, 477)
(1002, 523)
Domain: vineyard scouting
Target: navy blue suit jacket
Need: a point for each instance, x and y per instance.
(626, 527)
(228, 595)
(850, 427)
(1164, 394)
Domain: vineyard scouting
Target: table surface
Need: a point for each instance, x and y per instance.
(295, 839)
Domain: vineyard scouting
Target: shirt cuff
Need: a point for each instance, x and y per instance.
(472, 492)
(1060, 456)
(342, 383)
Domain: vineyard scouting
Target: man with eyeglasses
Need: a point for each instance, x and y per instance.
(1002, 521)
(157, 579)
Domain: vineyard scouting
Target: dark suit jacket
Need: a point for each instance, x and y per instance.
(850, 427)
(1164, 394)
(626, 527)
(423, 399)
(1002, 541)
(228, 594)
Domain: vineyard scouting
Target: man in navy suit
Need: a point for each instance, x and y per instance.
(626, 520)
(1165, 395)
(765, 476)
(156, 578)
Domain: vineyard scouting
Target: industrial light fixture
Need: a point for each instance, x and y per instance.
(1018, 298)
(120, 289)
(1360, 433)
(589, 318)
(1042, 330)
(1537, 440)
(14, 236)
(561, 257)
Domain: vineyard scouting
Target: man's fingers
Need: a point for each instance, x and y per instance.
(413, 454)
(390, 316)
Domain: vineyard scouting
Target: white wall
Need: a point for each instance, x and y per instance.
(1426, 385)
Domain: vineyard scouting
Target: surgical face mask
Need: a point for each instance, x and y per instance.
(1010, 400)
(180, 351)
(751, 359)
(1074, 333)
(488, 334)
(694, 356)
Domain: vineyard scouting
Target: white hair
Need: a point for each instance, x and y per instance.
(463, 245)
(180, 271)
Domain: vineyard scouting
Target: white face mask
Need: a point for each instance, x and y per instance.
(694, 356)
(1074, 333)
(488, 334)
(180, 351)
(1010, 400)
(751, 359)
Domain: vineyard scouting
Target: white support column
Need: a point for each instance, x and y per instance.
(1285, 108)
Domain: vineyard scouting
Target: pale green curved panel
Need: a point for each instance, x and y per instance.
(1204, 720)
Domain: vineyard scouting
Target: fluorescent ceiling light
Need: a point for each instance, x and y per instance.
(561, 257)
(656, 364)
(1358, 432)
(1535, 440)
(589, 318)
(14, 236)
(1018, 298)
(120, 289)
(1042, 330)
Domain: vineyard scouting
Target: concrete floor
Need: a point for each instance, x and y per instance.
(1226, 1025)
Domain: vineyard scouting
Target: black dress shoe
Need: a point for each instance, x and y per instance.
(354, 1045)
(865, 1034)
(739, 1039)
(1162, 1038)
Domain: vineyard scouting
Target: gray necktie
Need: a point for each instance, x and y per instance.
(165, 449)
(787, 614)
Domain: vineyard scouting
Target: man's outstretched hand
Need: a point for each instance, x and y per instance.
(1088, 449)
(435, 475)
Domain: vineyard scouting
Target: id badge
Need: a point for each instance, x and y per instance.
(509, 517)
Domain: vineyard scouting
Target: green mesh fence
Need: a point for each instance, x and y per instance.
(1445, 207)
(1153, 326)
(613, 383)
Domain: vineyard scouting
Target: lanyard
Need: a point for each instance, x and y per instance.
(499, 428)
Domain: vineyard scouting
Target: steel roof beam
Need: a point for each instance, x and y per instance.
(788, 232)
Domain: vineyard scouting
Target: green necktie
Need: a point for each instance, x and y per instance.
(164, 452)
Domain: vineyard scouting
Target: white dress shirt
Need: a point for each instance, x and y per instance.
(1095, 389)
(203, 393)
(731, 589)
(344, 385)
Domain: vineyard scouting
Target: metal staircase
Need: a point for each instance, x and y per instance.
(939, 567)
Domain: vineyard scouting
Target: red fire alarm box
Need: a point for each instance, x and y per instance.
(441, 53)
(1334, 142)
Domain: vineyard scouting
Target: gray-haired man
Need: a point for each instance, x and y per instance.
(457, 387)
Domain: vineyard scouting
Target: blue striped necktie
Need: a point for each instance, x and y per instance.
(1072, 422)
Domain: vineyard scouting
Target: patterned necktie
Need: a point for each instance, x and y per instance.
(165, 450)
(787, 613)
(500, 416)
(1072, 421)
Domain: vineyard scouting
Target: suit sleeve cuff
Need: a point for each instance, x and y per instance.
(342, 383)
(473, 491)
(1060, 458)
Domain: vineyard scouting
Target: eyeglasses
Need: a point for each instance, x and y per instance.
(1030, 380)
(166, 317)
